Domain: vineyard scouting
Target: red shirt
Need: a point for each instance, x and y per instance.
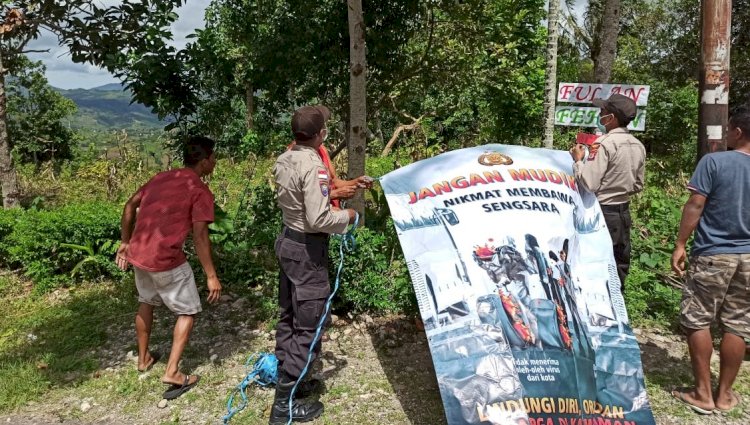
(323, 152)
(170, 203)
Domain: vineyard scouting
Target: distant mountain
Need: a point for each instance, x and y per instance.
(108, 107)
(110, 87)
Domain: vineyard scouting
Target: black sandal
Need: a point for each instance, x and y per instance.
(176, 390)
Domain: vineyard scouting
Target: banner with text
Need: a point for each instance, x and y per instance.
(513, 269)
(586, 116)
(587, 92)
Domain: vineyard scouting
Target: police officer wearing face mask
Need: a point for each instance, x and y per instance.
(614, 171)
(303, 189)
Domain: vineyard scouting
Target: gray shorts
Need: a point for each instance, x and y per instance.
(174, 288)
(718, 288)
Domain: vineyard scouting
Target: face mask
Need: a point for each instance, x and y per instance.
(600, 126)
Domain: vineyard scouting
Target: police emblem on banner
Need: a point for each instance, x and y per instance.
(494, 158)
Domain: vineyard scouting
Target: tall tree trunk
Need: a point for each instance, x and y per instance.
(357, 99)
(8, 177)
(550, 84)
(610, 30)
(249, 105)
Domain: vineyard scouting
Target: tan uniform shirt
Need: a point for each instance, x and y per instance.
(302, 188)
(615, 167)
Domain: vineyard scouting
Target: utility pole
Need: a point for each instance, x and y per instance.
(550, 84)
(716, 27)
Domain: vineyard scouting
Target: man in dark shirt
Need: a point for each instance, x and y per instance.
(719, 273)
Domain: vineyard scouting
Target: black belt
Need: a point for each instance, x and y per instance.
(625, 206)
(302, 237)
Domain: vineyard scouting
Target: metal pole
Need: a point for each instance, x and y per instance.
(716, 26)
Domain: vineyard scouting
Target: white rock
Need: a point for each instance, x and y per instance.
(367, 318)
(334, 318)
(85, 406)
(239, 303)
(214, 357)
(273, 333)
(162, 404)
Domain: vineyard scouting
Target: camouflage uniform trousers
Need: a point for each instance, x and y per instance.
(718, 287)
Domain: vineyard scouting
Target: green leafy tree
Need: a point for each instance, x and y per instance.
(36, 114)
(129, 39)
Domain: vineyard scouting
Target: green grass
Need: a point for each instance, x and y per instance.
(20, 382)
(47, 342)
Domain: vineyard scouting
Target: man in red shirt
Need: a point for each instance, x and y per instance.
(155, 223)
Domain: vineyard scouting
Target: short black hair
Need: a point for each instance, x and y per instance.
(197, 148)
(308, 121)
(740, 118)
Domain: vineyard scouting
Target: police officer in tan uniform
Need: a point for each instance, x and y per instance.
(303, 189)
(614, 171)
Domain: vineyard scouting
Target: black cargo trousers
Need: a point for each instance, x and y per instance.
(619, 223)
(303, 291)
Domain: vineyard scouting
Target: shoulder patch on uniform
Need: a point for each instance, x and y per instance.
(324, 189)
(322, 174)
(593, 150)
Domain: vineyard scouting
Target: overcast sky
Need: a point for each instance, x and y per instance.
(63, 73)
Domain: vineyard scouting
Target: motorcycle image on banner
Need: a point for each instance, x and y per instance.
(513, 270)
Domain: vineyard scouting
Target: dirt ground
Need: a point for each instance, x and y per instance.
(376, 371)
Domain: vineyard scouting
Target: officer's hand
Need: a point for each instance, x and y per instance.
(364, 182)
(678, 260)
(578, 152)
(121, 258)
(352, 215)
(345, 192)
(214, 289)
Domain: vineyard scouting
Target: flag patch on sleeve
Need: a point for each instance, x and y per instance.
(593, 150)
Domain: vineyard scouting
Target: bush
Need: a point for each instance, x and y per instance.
(7, 224)
(656, 220)
(374, 277)
(50, 246)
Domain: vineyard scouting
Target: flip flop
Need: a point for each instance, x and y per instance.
(680, 396)
(176, 390)
(736, 397)
(155, 358)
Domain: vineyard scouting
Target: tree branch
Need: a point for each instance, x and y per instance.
(400, 129)
(338, 150)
